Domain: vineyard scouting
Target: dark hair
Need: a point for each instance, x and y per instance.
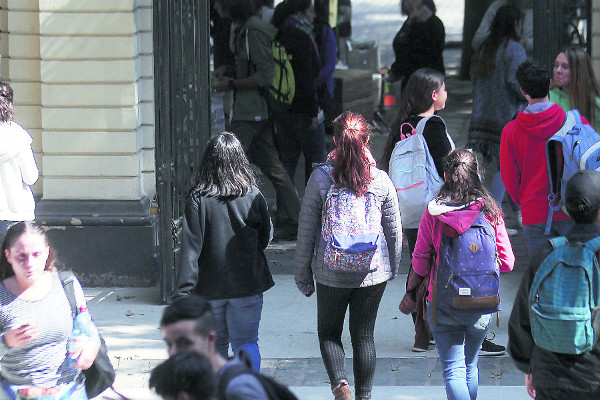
(462, 184)
(7, 95)
(186, 371)
(351, 166)
(267, 3)
(191, 307)
(583, 85)
(429, 3)
(13, 234)
(534, 79)
(415, 100)
(286, 8)
(504, 27)
(238, 10)
(582, 196)
(224, 172)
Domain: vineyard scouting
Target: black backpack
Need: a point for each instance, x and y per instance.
(274, 389)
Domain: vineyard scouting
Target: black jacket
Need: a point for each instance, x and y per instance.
(551, 370)
(222, 252)
(418, 44)
(305, 64)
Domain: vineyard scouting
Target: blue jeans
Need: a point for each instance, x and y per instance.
(458, 337)
(237, 321)
(497, 189)
(293, 137)
(535, 236)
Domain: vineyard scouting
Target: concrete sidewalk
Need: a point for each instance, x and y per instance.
(128, 319)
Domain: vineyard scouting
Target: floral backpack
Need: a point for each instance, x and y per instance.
(351, 228)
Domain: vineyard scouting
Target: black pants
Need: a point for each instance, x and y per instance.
(331, 309)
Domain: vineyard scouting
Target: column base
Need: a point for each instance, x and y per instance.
(105, 242)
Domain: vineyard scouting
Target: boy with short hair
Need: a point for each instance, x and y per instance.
(523, 163)
(555, 376)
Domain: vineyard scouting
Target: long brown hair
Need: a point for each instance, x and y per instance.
(416, 99)
(462, 184)
(583, 86)
(503, 29)
(351, 168)
(225, 172)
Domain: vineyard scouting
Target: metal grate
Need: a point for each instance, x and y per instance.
(182, 116)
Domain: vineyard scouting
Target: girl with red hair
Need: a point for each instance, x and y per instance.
(350, 168)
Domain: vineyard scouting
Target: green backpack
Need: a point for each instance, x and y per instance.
(565, 298)
(283, 87)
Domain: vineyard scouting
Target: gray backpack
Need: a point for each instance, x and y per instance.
(414, 175)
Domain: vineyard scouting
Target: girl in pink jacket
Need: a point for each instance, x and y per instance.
(458, 332)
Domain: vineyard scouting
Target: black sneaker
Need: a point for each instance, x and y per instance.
(491, 349)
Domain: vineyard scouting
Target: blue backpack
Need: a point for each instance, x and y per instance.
(468, 273)
(575, 147)
(414, 175)
(565, 298)
(351, 228)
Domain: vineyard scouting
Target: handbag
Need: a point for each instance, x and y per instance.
(101, 375)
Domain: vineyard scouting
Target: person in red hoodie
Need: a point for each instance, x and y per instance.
(523, 163)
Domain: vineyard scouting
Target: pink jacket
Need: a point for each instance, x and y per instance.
(453, 221)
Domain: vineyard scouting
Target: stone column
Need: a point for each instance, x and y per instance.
(82, 74)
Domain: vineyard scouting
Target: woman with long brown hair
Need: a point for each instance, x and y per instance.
(350, 174)
(575, 84)
(461, 204)
(496, 93)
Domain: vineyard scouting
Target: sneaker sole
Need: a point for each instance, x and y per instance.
(491, 353)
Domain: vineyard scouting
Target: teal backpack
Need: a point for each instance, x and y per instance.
(564, 298)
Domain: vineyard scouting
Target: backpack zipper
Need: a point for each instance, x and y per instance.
(449, 279)
(573, 149)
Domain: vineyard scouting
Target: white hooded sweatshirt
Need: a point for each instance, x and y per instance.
(18, 171)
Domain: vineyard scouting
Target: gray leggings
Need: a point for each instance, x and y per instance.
(331, 309)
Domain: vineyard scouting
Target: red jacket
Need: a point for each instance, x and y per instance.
(523, 164)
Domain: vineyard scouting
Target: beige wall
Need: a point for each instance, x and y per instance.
(82, 74)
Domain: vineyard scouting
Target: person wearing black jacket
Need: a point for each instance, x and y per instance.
(225, 232)
(549, 375)
(298, 130)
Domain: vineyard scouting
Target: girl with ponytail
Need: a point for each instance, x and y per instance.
(350, 167)
(459, 331)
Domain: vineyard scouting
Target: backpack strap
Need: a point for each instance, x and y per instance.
(557, 242)
(421, 125)
(233, 371)
(594, 244)
(571, 118)
(327, 169)
(66, 278)
(420, 128)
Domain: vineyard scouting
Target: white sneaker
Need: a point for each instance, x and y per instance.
(511, 232)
